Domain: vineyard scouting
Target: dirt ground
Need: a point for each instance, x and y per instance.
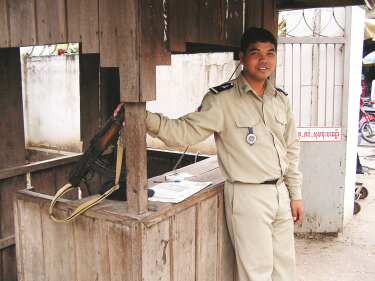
(351, 255)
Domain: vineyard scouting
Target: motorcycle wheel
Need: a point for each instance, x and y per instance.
(357, 208)
(363, 193)
(368, 131)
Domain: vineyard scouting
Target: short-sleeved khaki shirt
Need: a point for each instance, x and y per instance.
(231, 115)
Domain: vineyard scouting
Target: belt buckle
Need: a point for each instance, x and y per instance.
(275, 181)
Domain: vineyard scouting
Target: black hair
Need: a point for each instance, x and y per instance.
(256, 34)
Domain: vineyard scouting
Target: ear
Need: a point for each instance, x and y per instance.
(242, 57)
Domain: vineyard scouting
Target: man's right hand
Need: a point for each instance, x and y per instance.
(297, 211)
(117, 110)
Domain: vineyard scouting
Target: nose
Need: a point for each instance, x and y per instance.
(262, 57)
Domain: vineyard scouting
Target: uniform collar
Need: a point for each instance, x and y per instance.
(245, 88)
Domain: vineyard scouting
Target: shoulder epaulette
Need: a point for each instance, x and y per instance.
(222, 87)
(281, 91)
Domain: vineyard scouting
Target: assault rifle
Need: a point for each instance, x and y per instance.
(112, 189)
(106, 136)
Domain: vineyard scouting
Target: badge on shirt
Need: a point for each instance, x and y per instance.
(251, 137)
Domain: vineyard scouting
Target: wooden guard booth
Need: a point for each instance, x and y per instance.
(121, 42)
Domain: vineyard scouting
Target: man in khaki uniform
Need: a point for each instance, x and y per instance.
(258, 153)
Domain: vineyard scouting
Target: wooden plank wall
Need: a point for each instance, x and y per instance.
(261, 13)
(22, 23)
(120, 42)
(133, 35)
(108, 28)
(178, 247)
(136, 53)
(45, 181)
(175, 247)
(209, 22)
(85, 250)
(8, 187)
(83, 24)
(51, 21)
(4, 24)
(48, 181)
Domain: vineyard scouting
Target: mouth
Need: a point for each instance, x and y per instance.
(263, 68)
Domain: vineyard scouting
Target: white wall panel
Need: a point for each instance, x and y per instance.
(51, 102)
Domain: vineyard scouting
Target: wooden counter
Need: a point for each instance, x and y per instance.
(184, 241)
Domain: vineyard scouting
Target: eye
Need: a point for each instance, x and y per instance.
(253, 53)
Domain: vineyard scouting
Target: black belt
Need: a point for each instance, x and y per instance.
(270, 181)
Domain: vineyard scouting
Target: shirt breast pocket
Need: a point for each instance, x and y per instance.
(246, 126)
(281, 121)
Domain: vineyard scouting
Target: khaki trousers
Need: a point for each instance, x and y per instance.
(261, 228)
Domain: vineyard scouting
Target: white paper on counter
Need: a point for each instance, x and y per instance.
(174, 192)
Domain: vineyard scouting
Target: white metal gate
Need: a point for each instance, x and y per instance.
(310, 65)
(319, 65)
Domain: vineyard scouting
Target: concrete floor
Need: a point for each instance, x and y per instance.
(351, 255)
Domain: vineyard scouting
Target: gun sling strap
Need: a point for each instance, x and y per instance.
(94, 201)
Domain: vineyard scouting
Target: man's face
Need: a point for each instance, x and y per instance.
(259, 61)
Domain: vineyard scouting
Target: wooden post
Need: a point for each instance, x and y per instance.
(12, 142)
(89, 96)
(136, 157)
(12, 151)
(137, 85)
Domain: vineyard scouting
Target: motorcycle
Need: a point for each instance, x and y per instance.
(367, 120)
(361, 192)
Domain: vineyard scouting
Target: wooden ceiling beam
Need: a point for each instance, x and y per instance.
(307, 4)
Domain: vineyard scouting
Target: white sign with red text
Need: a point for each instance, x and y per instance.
(319, 134)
